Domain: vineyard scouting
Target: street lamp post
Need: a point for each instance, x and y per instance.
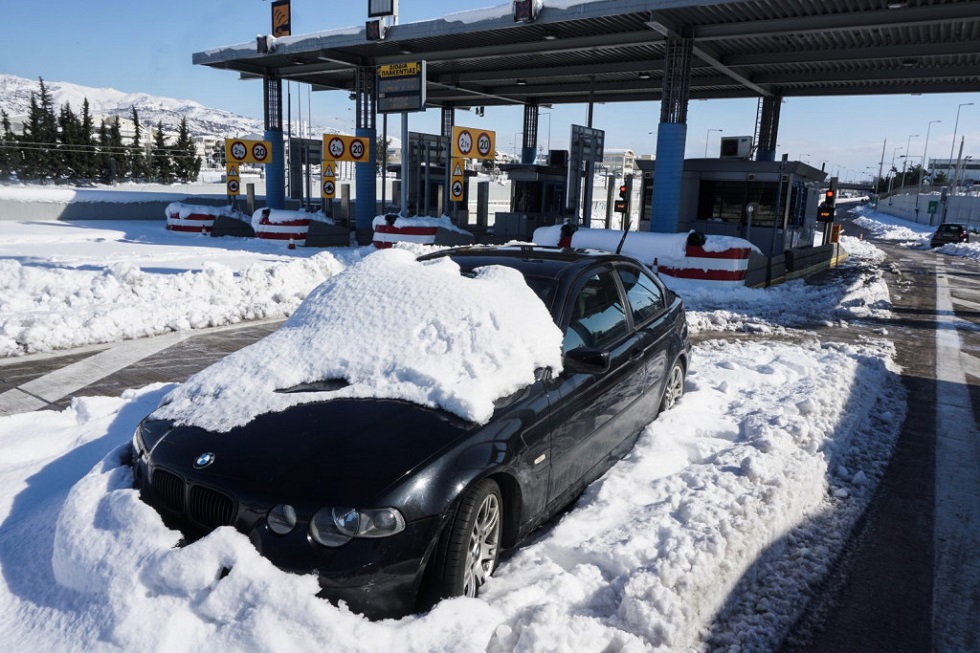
(706, 137)
(953, 144)
(548, 115)
(925, 164)
(891, 174)
(905, 156)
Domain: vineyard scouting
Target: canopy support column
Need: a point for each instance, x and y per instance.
(768, 127)
(671, 136)
(448, 122)
(366, 172)
(275, 170)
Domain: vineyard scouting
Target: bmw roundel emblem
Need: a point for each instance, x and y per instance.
(204, 460)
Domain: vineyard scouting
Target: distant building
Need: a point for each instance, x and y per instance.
(969, 171)
(619, 162)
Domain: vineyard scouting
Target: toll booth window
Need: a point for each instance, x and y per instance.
(598, 315)
(644, 295)
(527, 197)
(726, 200)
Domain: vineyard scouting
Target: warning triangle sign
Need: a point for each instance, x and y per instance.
(232, 171)
(457, 171)
(328, 170)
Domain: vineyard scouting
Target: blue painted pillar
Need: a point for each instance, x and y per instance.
(671, 133)
(665, 212)
(275, 171)
(367, 194)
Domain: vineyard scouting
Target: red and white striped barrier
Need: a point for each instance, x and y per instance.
(722, 267)
(386, 235)
(277, 224)
(190, 218)
(719, 261)
(389, 230)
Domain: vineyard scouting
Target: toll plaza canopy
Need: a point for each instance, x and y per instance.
(583, 51)
(614, 50)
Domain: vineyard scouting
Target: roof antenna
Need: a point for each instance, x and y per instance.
(621, 241)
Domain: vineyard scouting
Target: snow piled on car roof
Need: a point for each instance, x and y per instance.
(393, 328)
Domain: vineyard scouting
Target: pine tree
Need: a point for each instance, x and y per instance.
(118, 153)
(161, 164)
(9, 152)
(66, 163)
(112, 162)
(88, 158)
(138, 165)
(103, 172)
(39, 137)
(187, 163)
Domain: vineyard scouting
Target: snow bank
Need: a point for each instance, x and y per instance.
(442, 222)
(65, 285)
(729, 508)
(860, 294)
(183, 210)
(123, 301)
(708, 536)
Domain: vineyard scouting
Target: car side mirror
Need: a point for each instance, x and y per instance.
(584, 360)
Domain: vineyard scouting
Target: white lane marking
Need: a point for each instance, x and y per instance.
(956, 604)
(966, 303)
(38, 393)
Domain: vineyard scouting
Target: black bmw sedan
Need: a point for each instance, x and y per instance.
(394, 504)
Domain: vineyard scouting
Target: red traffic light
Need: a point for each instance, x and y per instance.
(622, 190)
(830, 196)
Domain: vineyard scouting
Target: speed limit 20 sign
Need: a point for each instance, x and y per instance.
(473, 143)
(346, 148)
(239, 150)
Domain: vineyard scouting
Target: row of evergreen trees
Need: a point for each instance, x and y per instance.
(67, 148)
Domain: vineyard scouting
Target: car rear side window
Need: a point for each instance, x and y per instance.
(646, 299)
(598, 315)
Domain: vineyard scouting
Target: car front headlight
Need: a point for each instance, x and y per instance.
(335, 527)
(148, 434)
(281, 519)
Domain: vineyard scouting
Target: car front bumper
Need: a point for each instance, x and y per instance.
(379, 578)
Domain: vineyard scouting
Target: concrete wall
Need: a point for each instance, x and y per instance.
(25, 203)
(963, 209)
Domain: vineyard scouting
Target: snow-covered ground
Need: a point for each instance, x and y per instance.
(708, 535)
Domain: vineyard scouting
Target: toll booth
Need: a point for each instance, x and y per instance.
(305, 158)
(427, 158)
(772, 204)
(537, 197)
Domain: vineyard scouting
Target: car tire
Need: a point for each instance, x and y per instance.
(471, 543)
(674, 387)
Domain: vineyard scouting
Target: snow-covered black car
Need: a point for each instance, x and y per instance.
(465, 397)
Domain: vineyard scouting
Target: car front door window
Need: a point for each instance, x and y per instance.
(646, 299)
(598, 315)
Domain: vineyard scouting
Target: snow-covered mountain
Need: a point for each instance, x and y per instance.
(15, 99)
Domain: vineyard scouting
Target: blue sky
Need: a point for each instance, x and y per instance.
(139, 46)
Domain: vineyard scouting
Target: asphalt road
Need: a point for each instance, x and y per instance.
(910, 577)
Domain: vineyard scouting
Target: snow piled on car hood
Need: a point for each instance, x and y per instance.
(393, 328)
